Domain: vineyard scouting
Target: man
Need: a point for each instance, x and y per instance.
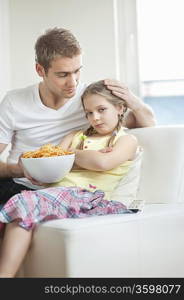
(46, 112)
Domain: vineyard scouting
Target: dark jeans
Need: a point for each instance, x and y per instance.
(9, 188)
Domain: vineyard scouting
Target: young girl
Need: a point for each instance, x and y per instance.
(103, 155)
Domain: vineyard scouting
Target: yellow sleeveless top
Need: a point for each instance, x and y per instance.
(92, 180)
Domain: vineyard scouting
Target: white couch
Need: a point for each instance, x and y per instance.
(146, 244)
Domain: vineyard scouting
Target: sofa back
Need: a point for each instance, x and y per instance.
(162, 173)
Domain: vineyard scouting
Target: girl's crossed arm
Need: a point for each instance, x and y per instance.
(67, 140)
(123, 150)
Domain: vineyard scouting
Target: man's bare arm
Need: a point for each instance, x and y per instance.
(141, 117)
(139, 113)
(9, 170)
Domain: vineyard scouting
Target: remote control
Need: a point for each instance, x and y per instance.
(136, 205)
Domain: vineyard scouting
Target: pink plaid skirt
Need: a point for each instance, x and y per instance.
(32, 207)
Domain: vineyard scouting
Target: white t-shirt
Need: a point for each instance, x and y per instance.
(27, 123)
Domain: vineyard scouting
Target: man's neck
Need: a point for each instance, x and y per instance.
(50, 100)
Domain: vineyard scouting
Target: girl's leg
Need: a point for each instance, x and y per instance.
(14, 247)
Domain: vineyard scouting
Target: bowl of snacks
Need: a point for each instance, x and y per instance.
(48, 164)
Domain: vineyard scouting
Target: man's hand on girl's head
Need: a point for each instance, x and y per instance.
(120, 90)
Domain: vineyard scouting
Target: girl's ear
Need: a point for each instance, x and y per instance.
(121, 109)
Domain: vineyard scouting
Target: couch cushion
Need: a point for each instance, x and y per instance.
(149, 211)
(128, 187)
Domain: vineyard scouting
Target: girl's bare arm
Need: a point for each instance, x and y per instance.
(123, 150)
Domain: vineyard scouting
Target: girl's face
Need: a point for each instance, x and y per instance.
(101, 114)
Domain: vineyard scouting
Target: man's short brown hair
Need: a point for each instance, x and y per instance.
(54, 43)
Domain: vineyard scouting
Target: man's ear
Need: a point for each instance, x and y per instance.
(40, 70)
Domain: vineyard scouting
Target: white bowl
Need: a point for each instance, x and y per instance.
(48, 169)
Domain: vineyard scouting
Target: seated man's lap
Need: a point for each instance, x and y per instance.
(9, 188)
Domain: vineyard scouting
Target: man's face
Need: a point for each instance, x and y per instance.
(62, 77)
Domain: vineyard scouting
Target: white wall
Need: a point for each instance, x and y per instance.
(4, 48)
(91, 21)
(128, 43)
(103, 27)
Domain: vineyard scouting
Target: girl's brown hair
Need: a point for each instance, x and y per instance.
(99, 88)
